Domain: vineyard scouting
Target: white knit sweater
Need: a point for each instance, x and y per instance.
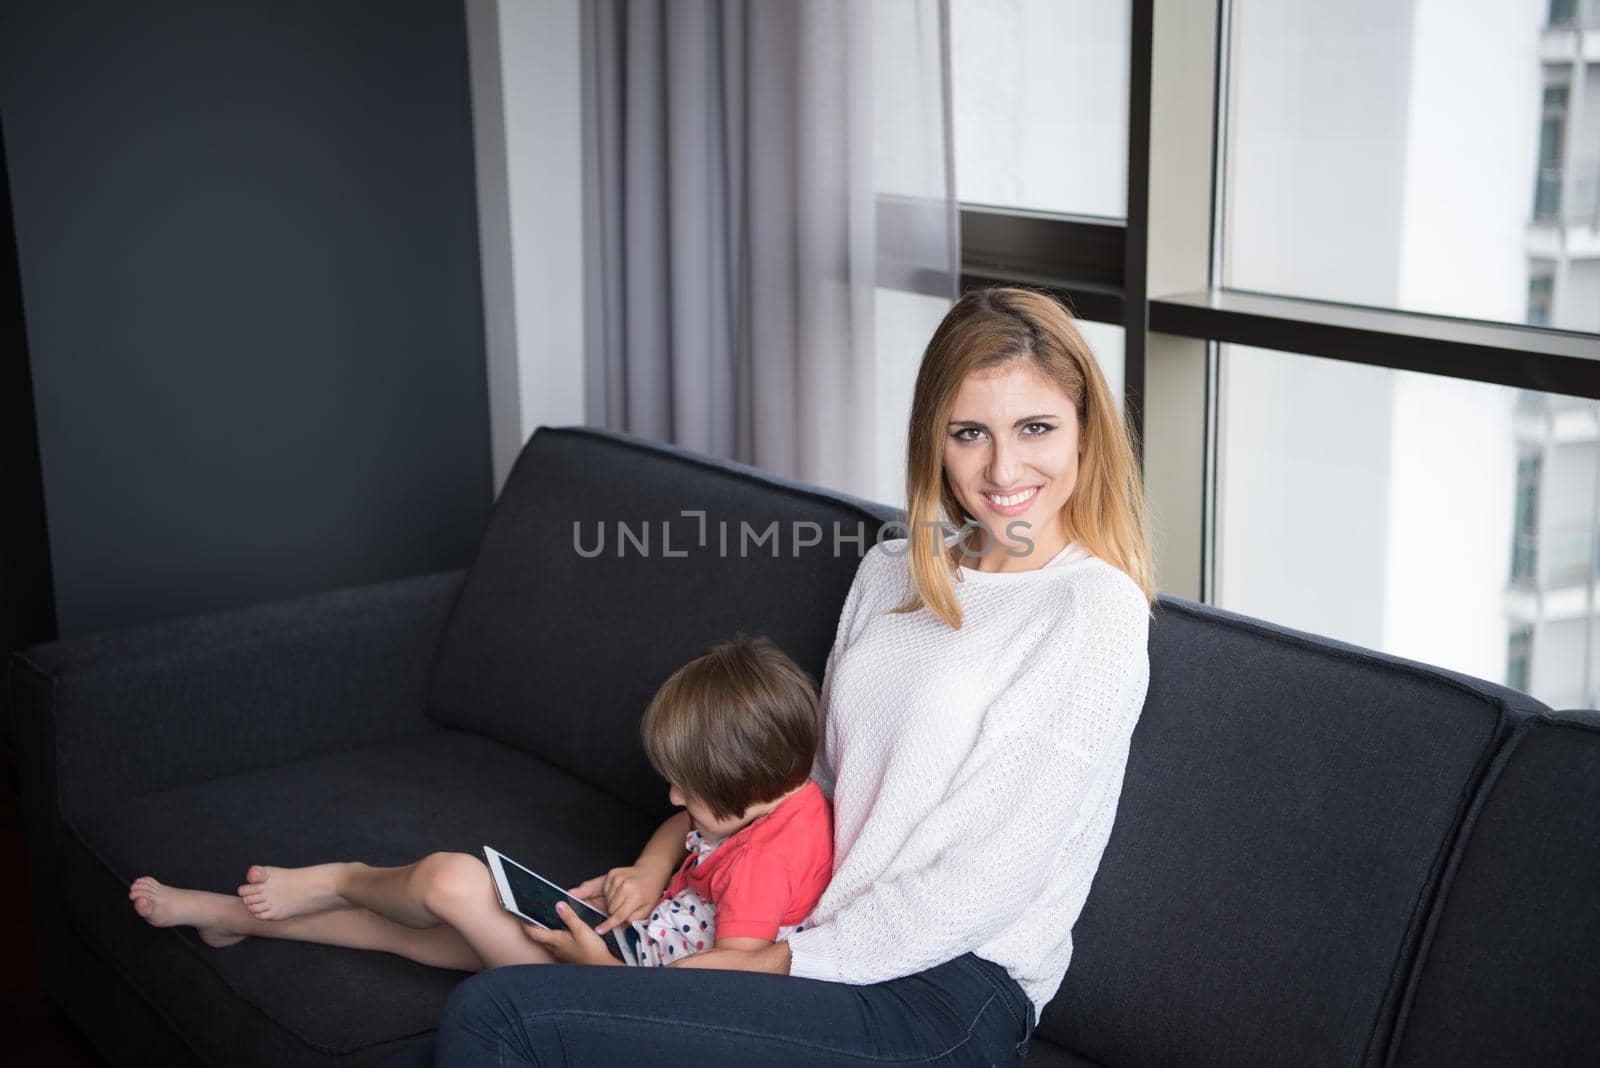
(974, 772)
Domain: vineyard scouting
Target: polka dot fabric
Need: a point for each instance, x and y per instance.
(679, 926)
(974, 772)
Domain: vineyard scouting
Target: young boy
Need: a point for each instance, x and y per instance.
(734, 733)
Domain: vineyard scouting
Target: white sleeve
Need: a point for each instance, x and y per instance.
(1005, 820)
(820, 771)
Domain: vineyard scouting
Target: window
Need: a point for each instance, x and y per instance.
(1380, 154)
(1107, 342)
(1041, 104)
(1568, 486)
(1362, 503)
(1525, 528)
(903, 323)
(1041, 91)
(1552, 138)
(1541, 290)
(1568, 15)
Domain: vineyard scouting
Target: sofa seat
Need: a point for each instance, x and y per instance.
(387, 804)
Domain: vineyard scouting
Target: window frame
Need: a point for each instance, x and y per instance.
(1159, 284)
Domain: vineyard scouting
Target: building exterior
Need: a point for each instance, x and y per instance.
(1553, 628)
(1439, 157)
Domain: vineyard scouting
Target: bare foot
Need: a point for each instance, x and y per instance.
(211, 915)
(279, 893)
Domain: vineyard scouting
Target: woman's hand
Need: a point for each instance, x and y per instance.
(631, 893)
(772, 958)
(578, 944)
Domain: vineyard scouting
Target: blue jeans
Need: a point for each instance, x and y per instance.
(968, 1011)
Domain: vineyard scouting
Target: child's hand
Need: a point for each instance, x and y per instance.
(631, 893)
(578, 944)
(593, 891)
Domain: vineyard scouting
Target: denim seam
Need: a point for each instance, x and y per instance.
(1020, 1021)
(995, 984)
(557, 1014)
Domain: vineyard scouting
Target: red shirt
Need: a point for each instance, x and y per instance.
(767, 875)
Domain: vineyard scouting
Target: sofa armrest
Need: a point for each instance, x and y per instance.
(126, 712)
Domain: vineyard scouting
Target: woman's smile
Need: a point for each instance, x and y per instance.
(1011, 502)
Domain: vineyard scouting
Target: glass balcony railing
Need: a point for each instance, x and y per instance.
(1556, 559)
(1568, 195)
(1569, 556)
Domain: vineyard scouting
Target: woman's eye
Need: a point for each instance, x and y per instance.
(967, 433)
(1037, 429)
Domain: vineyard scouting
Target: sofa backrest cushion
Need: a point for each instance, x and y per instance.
(558, 653)
(1509, 971)
(1287, 806)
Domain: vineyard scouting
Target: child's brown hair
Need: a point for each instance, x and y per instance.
(736, 726)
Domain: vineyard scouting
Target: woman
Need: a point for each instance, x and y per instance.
(980, 697)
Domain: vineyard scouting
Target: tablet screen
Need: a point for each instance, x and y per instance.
(536, 897)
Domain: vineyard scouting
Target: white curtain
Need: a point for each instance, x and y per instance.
(755, 171)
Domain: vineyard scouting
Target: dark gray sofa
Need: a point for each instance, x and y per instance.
(1323, 855)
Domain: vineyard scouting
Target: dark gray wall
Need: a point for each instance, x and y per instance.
(247, 242)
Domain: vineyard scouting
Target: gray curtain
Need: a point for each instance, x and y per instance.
(754, 172)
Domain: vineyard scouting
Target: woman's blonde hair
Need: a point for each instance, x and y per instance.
(1105, 514)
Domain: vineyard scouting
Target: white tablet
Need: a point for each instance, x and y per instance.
(523, 892)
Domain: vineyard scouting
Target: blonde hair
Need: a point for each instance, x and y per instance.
(1105, 514)
(736, 726)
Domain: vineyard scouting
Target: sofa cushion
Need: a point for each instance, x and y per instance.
(281, 1003)
(1508, 974)
(1286, 810)
(558, 654)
